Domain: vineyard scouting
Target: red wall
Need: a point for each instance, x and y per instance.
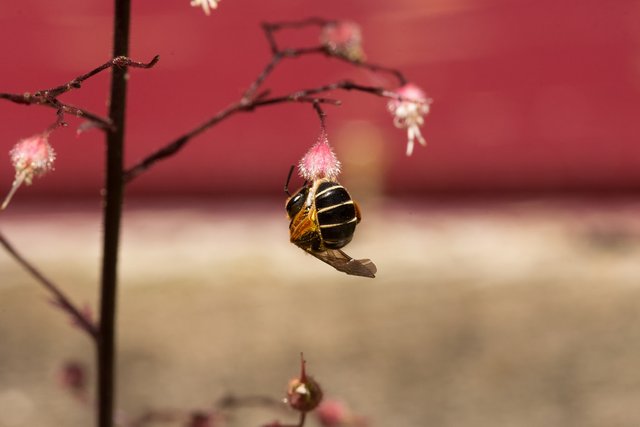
(528, 95)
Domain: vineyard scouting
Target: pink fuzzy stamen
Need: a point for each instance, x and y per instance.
(320, 161)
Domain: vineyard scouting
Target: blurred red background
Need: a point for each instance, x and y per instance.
(528, 95)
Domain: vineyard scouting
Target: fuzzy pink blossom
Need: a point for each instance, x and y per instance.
(344, 39)
(409, 112)
(31, 157)
(320, 161)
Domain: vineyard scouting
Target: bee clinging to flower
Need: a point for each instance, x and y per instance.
(322, 213)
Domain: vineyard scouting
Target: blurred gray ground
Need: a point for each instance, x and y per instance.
(497, 314)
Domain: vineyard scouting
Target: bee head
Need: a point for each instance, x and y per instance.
(297, 201)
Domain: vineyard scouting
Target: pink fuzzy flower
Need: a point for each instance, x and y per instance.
(409, 112)
(31, 157)
(320, 161)
(344, 39)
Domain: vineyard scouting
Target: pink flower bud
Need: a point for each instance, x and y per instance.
(304, 393)
(409, 112)
(31, 157)
(320, 161)
(344, 39)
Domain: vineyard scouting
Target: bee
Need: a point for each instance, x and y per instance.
(323, 219)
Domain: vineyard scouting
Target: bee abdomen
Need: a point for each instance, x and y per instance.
(336, 236)
(336, 215)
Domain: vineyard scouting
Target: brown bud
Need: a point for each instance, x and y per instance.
(304, 393)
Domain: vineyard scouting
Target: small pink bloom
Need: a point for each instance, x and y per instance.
(73, 377)
(31, 157)
(409, 112)
(320, 161)
(344, 39)
(333, 413)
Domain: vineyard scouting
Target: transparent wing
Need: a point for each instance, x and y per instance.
(343, 262)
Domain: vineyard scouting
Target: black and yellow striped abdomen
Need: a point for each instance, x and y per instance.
(337, 214)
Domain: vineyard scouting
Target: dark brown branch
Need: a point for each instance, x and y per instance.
(60, 299)
(42, 98)
(173, 147)
(49, 97)
(402, 80)
(277, 57)
(304, 96)
(118, 61)
(270, 28)
(321, 115)
(250, 102)
(112, 212)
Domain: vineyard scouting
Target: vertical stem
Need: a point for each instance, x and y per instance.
(112, 213)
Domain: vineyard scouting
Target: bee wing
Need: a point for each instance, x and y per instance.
(343, 262)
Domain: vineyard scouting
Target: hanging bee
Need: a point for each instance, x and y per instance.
(323, 219)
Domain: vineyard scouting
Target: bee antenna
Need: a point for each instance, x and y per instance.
(286, 186)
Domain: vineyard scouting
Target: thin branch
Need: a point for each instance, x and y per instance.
(271, 28)
(402, 80)
(304, 96)
(277, 57)
(60, 299)
(321, 115)
(42, 98)
(249, 102)
(49, 97)
(118, 61)
(173, 147)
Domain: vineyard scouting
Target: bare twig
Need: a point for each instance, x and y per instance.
(119, 62)
(321, 115)
(59, 298)
(49, 97)
(304, 96)
(250, 102)
(270, 28)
